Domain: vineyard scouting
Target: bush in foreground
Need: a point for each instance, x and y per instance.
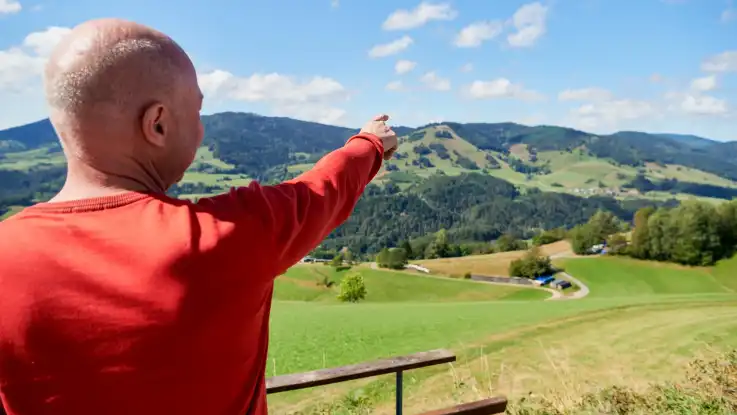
(352, 288)
(709, 388)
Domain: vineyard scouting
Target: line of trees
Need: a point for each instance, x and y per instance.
(694, 233)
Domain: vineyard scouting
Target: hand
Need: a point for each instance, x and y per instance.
(378, 127)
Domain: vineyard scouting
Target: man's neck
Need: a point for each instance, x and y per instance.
(85, 183)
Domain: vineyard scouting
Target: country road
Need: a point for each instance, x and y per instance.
(555, 295)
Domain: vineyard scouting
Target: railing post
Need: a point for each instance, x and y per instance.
(399, 393)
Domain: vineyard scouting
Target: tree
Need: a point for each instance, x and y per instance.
(439, 247)
(596, 231)
(508, 242)
(348, 256)
(337, 261)
(549, 236)
(582, 239)
(641, 234)
(532, 265)
(603, 224)
(407, 246)
(697, 239)
(382, 259)
(397, 258)
(728, 226)
(660, 235)
(394, 258)
(617, 244)
(352, 288)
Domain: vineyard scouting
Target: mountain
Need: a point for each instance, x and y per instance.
(28, 136)
(690, 140)
(478, 180)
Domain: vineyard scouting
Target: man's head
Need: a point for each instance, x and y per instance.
(125, 102)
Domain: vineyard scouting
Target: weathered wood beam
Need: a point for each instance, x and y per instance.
(321, 377)
(495, 405)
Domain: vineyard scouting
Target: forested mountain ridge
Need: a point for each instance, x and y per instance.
(478, 180)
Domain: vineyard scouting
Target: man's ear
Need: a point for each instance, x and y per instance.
(154, 124)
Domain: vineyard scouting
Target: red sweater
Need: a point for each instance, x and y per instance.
(143, 304)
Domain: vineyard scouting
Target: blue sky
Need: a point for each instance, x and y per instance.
(597, 65)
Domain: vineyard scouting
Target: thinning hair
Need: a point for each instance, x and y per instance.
(121, 74)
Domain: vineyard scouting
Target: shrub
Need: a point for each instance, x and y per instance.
(709, 388)
(548, 237)
(532, 265)
(352, 288)
(394, 258)
(467, 276)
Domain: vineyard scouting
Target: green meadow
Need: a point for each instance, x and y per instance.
(642, 323)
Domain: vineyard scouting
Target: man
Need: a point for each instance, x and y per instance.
(116, 299)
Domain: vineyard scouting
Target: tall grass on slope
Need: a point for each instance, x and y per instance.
(726, 273)
(708, 388)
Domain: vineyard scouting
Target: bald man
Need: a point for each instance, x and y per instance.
(116, 299)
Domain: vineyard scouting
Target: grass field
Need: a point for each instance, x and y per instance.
(492, 264)
(622, 277)
(23, 160)
(301, 283)
(641, 323)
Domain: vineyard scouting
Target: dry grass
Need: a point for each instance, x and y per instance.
(633, 348)
(493, 264)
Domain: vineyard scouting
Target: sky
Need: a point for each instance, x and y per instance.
(597, 65)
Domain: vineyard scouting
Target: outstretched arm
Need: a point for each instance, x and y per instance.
(306, 209)
(293, 217)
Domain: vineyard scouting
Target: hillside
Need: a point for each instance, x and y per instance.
(478, 180)
(650, 319)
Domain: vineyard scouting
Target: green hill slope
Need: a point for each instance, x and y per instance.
(304, 283)
(648, 318)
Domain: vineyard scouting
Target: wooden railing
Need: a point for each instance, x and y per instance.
(396, 365)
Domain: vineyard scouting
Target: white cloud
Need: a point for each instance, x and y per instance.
(425, 12)
(394, 86)
(467, 67)
(610, 115)
(309, 99)
(433, 81)
(391, 48)
(704, 84)
(334, 3)
(501, 88)
(585, 94)
(476, 33)
(18, 69)
(694, 102)
(529, 20)
(703, 105)
(404, 66)
(21, 66)
(9, 6)
(43, 43)
(723, 62)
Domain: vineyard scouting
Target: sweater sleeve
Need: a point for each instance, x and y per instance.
(295, 216)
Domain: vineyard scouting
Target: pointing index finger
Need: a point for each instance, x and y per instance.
(382, 117)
